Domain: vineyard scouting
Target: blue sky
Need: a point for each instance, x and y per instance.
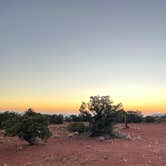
(61, 52)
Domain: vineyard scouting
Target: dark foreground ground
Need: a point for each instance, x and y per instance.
(147, 147)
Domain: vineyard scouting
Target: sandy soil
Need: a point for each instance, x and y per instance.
(147, 147)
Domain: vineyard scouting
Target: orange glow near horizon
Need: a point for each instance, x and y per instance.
(147, 100)
(63, 105)
(75, 108)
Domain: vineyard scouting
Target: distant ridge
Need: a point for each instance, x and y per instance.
(158, 115)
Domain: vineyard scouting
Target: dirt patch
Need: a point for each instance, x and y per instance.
(147, 147)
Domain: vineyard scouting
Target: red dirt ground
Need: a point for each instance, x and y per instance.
(146, 148)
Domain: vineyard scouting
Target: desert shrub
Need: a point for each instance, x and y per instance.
(28, 127)
(120, 116)
(158, 120)
(101, 112)
(164, 116)
(67, 119)
(77, 127)
(55, 119)
(134, 117)
(76, 118)
(149, 119)
(5, 116)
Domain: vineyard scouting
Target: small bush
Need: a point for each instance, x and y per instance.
(77, 126)
(149, 119)
(102, 126)
(55, 119)
(5, 116)
(29, 127)
(134, 117)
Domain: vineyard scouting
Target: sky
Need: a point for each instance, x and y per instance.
(55, 54)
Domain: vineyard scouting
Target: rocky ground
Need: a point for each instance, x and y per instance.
(145, 146)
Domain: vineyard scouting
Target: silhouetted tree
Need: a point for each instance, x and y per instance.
(102, 114)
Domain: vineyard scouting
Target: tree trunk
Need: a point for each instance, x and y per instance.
(126, 124)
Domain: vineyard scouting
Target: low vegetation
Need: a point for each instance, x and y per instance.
(29, 127)
(149, 119)
(55, 119)
(100, 115)
(79, 127)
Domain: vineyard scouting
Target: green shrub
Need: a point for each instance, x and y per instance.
(5, 116)
(55, 119)
(77, 127)
(29, 127)
(134, 117)
(149, 119)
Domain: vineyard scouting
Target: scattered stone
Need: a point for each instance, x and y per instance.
(121, 135)
(2, 132)
(76, 133)
(101, 138)
(125, 160)
(137, 138)
(128, 137)
(71, 135)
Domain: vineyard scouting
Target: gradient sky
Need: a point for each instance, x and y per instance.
(54, 54)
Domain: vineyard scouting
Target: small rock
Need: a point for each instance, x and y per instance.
(71, 135)
(101, 138)
(76, 133)
(125, 160)
(110, 141)
(2, 132)
(128, 137)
